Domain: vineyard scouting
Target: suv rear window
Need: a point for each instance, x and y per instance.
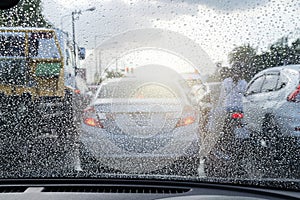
(255, 86)
(270, 82)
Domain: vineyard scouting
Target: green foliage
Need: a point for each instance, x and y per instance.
(242, 54)
(113, 74)
(109, 74)
(28, 13)
(219, 75)
(279, 53)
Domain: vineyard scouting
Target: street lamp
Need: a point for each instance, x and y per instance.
(77, 13)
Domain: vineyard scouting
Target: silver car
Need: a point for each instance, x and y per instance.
(272, 113)
(136, 125)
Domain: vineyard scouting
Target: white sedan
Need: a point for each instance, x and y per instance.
(137, 125)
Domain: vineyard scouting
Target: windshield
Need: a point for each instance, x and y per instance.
(205, 90)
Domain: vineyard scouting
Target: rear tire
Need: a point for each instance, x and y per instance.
(278, 154)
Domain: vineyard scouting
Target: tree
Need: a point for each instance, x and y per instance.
(279, 53)
(28, 13)
(295, 52)
(113, 74)
(242, 54)
(219, 75)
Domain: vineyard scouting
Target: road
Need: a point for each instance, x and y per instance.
(23, 155)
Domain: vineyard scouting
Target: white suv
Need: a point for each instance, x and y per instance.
(272, 101)
(272, 113)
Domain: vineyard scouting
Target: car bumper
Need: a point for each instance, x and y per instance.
(183, 143)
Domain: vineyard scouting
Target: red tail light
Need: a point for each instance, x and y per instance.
(90, 118)
(188, 117)
(294, 95)
(237, 115)
(92, 122)
(185, 121)
(77, 91)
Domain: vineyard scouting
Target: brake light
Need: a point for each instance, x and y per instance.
(188, 117)
(77, 91)
(92, 122)
(293, 97)
(90, 118)
(237, 115)
(185, 121)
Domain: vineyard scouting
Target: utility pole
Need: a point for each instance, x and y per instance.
(74, 41)
(73, 34)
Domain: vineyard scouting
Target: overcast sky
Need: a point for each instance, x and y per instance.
(217, 25)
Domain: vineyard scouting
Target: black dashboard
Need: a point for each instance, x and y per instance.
(135, 189)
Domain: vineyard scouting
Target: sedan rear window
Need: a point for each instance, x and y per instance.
(136, 90)
(153, 91)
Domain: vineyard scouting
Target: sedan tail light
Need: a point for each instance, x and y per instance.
(188, 117)
(295, 95)
(77, 91)
(90, 118)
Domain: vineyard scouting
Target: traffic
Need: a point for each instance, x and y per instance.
(151, 119)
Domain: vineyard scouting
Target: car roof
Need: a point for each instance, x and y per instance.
(279, 68)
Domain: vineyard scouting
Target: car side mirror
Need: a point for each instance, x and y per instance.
(6, 4)
(81, 53)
